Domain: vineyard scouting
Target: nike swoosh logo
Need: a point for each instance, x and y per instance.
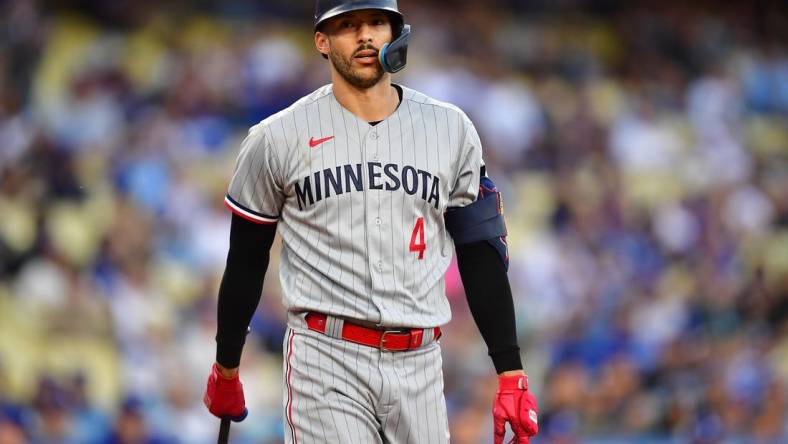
(313, 143)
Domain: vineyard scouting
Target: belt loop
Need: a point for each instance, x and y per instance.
(427, 336)
(334, 326)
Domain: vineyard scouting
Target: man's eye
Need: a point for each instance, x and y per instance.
(346, 25)
(378, 22)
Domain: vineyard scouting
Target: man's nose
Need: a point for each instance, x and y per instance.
(364, 33)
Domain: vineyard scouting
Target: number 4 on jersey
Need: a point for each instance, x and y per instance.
(419, 246)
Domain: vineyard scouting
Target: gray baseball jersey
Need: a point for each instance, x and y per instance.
(360, 207)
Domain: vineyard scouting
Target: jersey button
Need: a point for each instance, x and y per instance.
(373, 135)
(378, 221)
(380, 265)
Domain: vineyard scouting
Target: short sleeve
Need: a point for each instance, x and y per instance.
(466, 184)
(255, 191)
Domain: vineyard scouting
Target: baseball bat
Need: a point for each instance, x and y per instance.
(224, 431)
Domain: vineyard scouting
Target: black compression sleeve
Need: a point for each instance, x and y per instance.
(490, 300)
(242, 284)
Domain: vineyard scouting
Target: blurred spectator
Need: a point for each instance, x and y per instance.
(130, 427)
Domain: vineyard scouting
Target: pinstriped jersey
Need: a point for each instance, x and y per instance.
(360, 207)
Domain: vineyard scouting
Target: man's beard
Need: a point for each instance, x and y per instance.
(343, 66)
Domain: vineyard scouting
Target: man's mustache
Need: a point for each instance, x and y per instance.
(365, 48)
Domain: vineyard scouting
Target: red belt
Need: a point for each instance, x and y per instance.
(390, 340)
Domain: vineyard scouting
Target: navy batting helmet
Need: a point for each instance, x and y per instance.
(393, 56)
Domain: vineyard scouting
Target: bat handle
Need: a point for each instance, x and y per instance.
(224, 431)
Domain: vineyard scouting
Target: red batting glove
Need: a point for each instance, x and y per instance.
(224, 397)
(517, 406)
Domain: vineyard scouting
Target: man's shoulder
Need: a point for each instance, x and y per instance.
(288, 113)
(418, 97)
(296, 107)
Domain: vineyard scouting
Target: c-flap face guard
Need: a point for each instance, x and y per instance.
(393, 56)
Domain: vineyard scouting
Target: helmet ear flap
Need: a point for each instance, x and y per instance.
(397, 25)
(393, 56)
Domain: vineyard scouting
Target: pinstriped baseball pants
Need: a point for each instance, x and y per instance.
(336, 391)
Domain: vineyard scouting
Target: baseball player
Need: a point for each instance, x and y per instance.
(370, 185)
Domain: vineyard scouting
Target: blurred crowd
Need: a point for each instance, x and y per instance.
(641, 148)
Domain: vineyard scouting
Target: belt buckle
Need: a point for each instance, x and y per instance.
(382, 344)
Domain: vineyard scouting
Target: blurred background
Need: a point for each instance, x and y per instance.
(641, 147)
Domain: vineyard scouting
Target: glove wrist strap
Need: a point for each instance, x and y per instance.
(515, 382)
(221, 377)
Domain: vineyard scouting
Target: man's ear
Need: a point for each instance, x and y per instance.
(321, 43)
